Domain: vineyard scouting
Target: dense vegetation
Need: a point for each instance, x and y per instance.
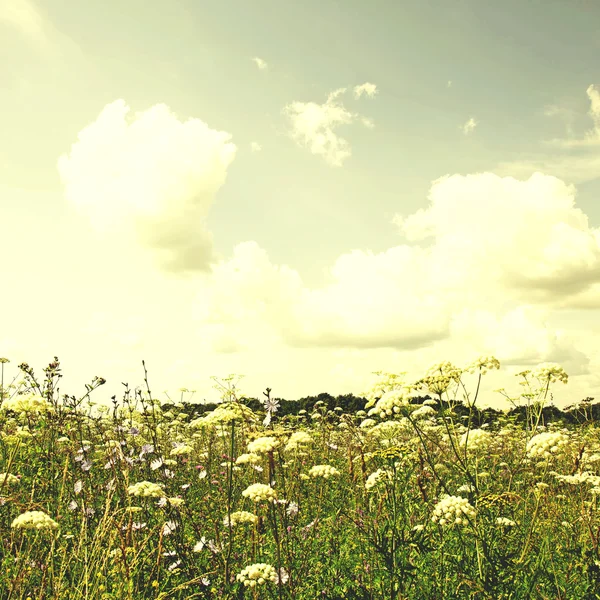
(407, 493)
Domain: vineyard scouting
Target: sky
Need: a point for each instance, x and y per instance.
(300, 194)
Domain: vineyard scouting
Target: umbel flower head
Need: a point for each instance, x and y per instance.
(259, 492)
(35, 519)
(27, 404)
(146, 489)
(546, 444)
(257, 574)
(325, 471)
(452, 510)
(263, 445)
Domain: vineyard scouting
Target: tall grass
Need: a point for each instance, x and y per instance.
(406, 502)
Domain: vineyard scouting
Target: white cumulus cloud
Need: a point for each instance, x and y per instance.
(496, 259)
(154, 178)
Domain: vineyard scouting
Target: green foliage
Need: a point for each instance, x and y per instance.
(436, 500)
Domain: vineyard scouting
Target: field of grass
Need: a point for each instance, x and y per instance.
(402, 501)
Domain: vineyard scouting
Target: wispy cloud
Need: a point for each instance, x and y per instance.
(573, 159)
(260, 63)
(592, 136)
(255, 147)
(370, 89)
(449, 84)
(469, 126)
(24, 16)
(313, 125)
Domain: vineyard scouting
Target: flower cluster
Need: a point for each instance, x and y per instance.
(325, 471)
(377, 477)
(577, 479)
(8, 479)
(452, 510)
(34, 519)
(423, 412)
(298, 440)
(262, 445)
(257, 575)
(259, 492)
(224, 414)
(181, 450)
(546, 444)
(146, 489)
(245, 459)
(241, 516)
(390, 403)
(476, 439)
(27, 404)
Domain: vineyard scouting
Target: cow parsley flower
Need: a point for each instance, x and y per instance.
(241, 516)
(245, 459)
(146, 489)
(8, 479)
(298, 441)
(452, 510)
(257, 574)
(34, 519)
(375, 478)
(262, 445)
(325, 471)
(546, 444)
(259, 492)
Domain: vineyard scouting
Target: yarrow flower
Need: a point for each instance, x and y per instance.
(504, 522)
(325, 471)
(262, 445)
(257, 574)
(259, 492)
(34, 519)
(452, 510)
(240, 516)
(146, 489)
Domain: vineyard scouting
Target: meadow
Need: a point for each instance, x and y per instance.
(404, 500)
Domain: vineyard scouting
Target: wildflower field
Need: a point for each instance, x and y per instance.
(409, 498)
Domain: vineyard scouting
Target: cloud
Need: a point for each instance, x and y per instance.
(469, 126)
(255, 147)
(260, 63)
(490, 261)
(592, 136)
(572, 159)
(153, 178)
(449, 84)
(313, 126)
(370, 89)
(24, 16)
